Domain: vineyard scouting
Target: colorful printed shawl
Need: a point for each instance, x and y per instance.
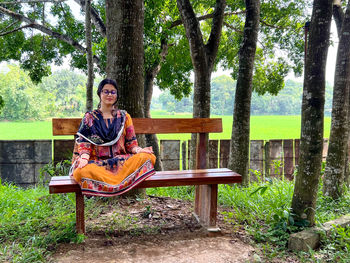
(110, 148)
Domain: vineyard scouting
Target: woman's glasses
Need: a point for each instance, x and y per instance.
(106, 92)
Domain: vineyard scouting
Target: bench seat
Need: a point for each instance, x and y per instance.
(64, 184)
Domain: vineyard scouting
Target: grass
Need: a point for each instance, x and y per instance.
(263, 208)
(262, 128)
(33, 222)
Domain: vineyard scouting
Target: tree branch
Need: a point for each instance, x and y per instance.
(31, 2)
(233, 28)
(9, 26)
(215, 33)
(14, 30)
(46, 30)
(204, 17)
(96, 19)
(269, 25)
(338, 14)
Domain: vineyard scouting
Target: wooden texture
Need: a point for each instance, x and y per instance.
(80, 221)
(64, 184)
(296, 151)
(213, 153)
(288, 159)
(276, 151)
(69, 126)
(256, 158)
(224, 153)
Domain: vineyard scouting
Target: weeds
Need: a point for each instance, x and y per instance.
(32, 222)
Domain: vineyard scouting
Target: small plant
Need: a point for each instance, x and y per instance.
(51, 169)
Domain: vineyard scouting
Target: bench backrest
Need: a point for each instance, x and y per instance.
(69, 126)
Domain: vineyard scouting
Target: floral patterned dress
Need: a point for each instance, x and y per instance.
(112, 169)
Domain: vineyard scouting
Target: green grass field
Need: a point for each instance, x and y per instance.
(261, 128)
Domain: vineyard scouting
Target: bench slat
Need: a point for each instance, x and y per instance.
(69, 126)
(63, 184)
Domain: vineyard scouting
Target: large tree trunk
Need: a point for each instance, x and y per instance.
(203, 57)
(338, 141)
(150, 75)
(151, 139)
(125, 56)
(89, 57)
(239, 149)
(338, 15)
(311, 141)
(125, 24)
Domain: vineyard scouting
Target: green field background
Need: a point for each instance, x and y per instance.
(261, 128)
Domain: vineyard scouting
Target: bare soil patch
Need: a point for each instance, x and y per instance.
(156, 229)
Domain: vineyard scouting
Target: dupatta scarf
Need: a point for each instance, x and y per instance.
(93, 128)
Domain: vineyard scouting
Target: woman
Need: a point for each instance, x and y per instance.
(107, 160)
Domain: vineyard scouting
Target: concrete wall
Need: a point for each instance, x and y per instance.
(20, 161)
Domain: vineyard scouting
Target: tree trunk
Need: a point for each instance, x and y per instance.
(338, 15)
(311, 141)
(151, 139)
(89, 57)
(338, 140)
(203, 57)
(125, 55)
(239, 149)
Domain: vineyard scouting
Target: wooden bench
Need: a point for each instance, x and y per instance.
(206, 180)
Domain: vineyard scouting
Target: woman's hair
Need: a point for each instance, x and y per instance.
(102, 84)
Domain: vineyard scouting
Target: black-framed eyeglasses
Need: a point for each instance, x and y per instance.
(112, 92)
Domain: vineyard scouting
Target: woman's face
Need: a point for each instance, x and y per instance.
(108, 95)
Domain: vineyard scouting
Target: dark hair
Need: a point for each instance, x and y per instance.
(102, 84)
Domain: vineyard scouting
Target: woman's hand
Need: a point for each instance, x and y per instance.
(83, 160)
(144, 150)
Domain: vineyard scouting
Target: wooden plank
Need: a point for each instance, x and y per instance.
(161, 179)
(296, 151)
(213, 153)
(324, 149)
(224, 152)
(69, 126)
(288, 159)
(79, 213)
(276, 151)
(184, 155)
(256, 162)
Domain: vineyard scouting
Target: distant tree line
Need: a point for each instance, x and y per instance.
(60, 94)
(286, 102)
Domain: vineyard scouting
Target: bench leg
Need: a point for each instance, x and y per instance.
(79, 205)
(206, 202)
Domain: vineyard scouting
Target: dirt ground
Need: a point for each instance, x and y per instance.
(156, 229)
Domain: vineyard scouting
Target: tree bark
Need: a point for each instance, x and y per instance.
(338, 140)
(338, 15)
(150, 75)
(96, 19)
(125, 59)
(239, 148)
(89, 57)
(203, 57)
(311, 141)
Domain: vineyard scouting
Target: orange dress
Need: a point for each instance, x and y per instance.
(112, 168)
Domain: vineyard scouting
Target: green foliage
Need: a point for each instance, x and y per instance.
(265, 101)
(61, 94)
(262, 128)
(32, 223)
